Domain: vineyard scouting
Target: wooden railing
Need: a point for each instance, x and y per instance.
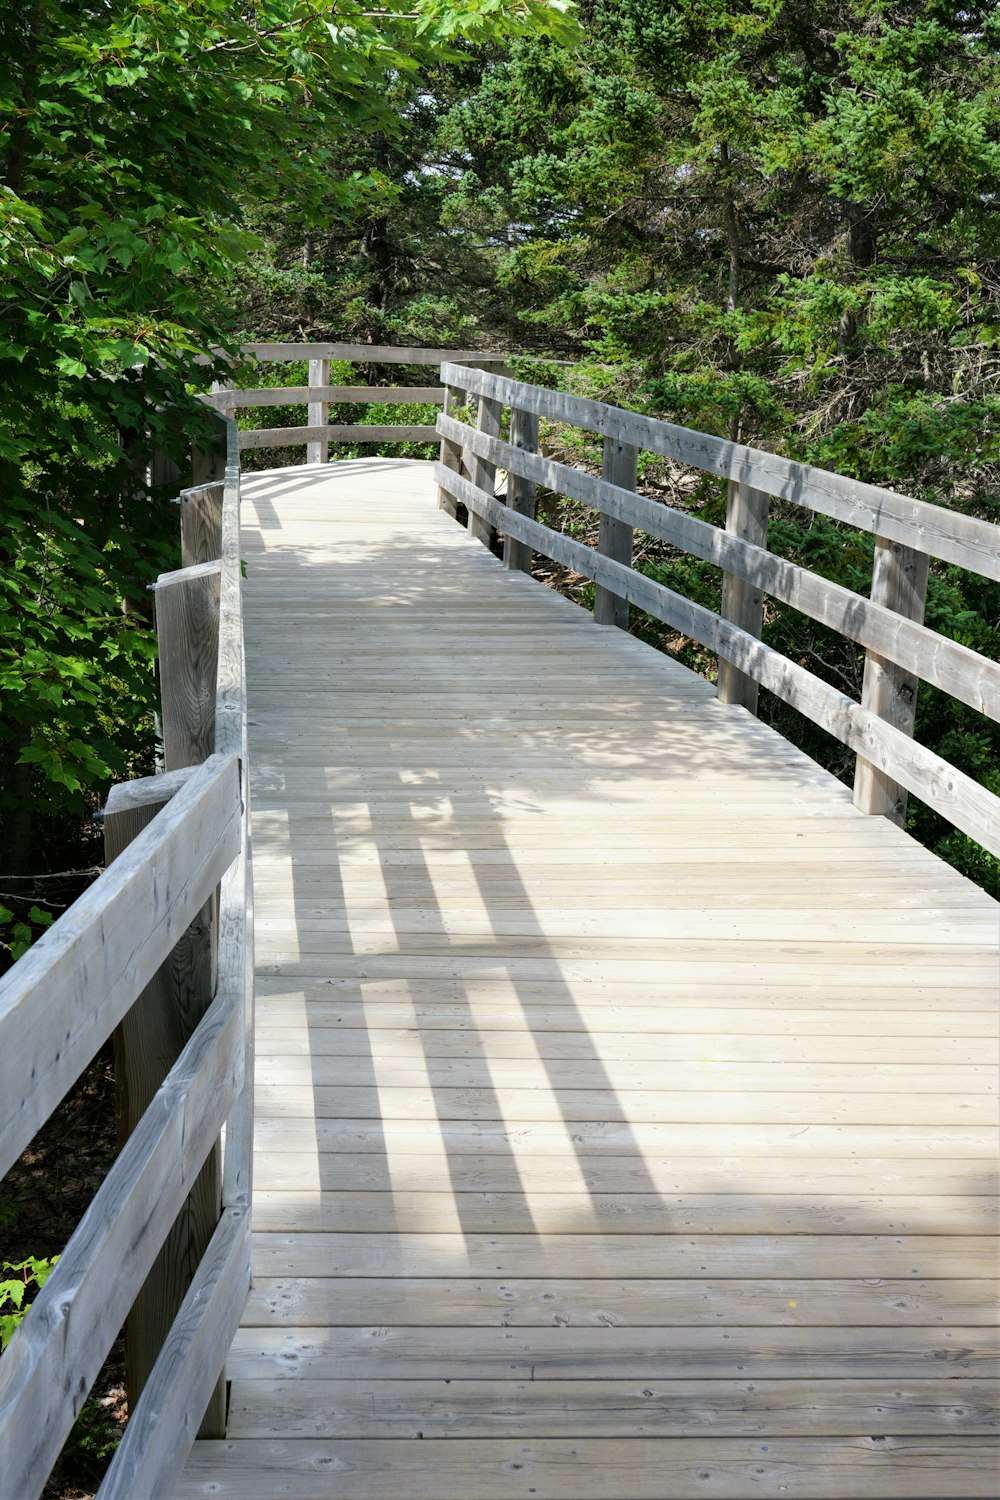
(319, 395)
(900, 649)
(158, 953)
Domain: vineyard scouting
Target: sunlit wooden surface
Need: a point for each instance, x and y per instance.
(626, 1117)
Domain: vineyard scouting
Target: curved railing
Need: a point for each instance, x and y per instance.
(901, 650)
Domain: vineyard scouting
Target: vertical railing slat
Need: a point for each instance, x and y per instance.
(620, 466)
(742, 602)
(451, 453)
(899, 582)
(318, 411)
(521, 492)
(482, 473)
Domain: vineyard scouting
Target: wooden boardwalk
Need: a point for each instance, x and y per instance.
(626, 1117)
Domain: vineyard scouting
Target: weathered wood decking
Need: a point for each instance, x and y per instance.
(626, 1100)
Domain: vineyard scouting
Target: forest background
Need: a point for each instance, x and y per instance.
(776, 222)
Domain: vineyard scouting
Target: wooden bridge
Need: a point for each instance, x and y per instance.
(625, 1119)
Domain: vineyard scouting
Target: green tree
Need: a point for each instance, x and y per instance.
(131, 137)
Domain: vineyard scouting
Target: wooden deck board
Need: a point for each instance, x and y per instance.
(626, 1101)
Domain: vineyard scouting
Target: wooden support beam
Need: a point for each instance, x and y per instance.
(187, 629)
(620, 467)
(319, 411)
(742, 601)
(521, 492)
(899, 583)
(451, 453)
(147, 1043)
(483, 473)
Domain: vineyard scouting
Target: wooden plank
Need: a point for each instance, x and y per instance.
(290, 437)
(236, 954)
(161, 1429)
(230, 685)
(468, 918)
(956, 796)
(367, 395)
(620, 467)
(187, 633)
(557, 1209)
(69, 991)
(365, 890)
(56, 1353)
(313, 1169)
(540, 1302)
(954, 668)
(838, 1468)
(612, 1138)
(316, 1037)
(649, 1106)
(899, 582)
(742, 602)
(603, 1072)
(555, 1353)
(451, 1409)
(964, 540)
(236, 968)
(815, 1001)
(868, 968)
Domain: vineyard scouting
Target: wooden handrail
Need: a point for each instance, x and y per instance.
(316, 434)
(944, 663)
(947, 534)
(896, 639)
(62, 1000)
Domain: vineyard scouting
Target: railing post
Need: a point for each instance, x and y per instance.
(621, 467)
(146, 1044)
(521, 492)
(208, 464)
(451, 453)
(899, 582)
(201, 524)
(482, 473)
(187, 630)
(318, 411)
(742, 602)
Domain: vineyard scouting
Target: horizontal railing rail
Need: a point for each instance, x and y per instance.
(900, 649)
(319, 395)
(157, 954)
